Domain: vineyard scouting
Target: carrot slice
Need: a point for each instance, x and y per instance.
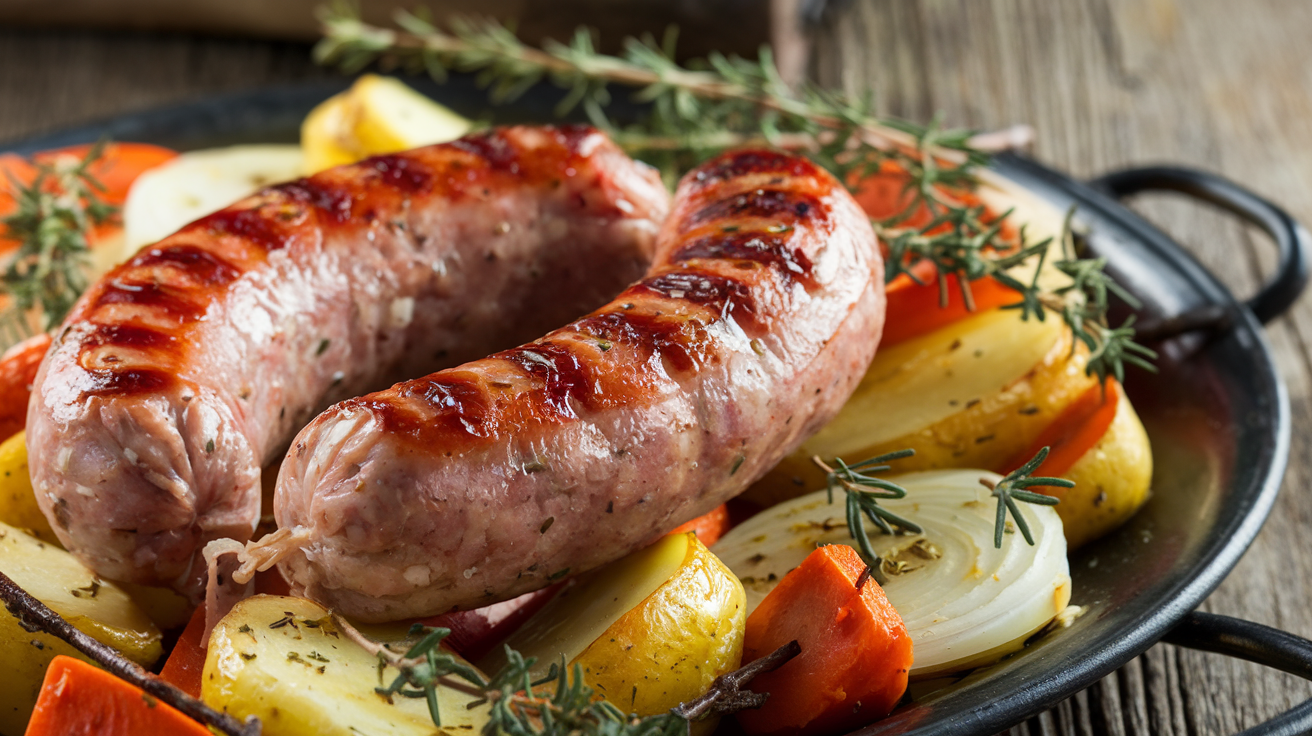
(18, 367)
(855, 649)
(1073, 433)
(78, 699)
(916, 309)
(187, 660)
(119, 165)
(709, 527)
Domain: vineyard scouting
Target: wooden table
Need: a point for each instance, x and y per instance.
(1214, 84)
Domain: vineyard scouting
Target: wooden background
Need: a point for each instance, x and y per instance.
(1216, 84)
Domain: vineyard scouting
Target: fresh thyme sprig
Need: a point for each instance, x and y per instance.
(1010, 489)
(55, 213)
(698, 109)
(520, 707)
(864, 492)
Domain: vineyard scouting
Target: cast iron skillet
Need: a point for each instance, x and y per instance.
(1217, 414)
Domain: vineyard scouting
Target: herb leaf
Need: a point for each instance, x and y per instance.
(1010, 489)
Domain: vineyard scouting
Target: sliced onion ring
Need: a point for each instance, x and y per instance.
(965, 603)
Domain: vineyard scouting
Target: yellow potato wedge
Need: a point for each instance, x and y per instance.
(973, 394)
(650, 631)
(1112, 479)
(376, 115)
(18, 506)
(100, 609)
(284, 660)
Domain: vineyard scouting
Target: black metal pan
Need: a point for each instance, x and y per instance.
(1217, 414)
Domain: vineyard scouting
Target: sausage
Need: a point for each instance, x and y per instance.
(182, 372)
(479, 483)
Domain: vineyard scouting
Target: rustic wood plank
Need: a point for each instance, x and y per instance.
(1110, 83)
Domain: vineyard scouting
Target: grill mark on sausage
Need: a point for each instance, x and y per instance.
(132, 336)
(562, 373)
(199, 264)
(335, 201)
(251, 224)
(765, 248)
(126, 382)
(723, 295)
(767, 204)
(755, 162)
(493, 148)
(401, 172)
(150, 294)
(674, 339)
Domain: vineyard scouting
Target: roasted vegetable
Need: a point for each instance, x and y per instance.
(17, 500)
(284, 660)
(964, 602)
(651, 630)
(855, 649)
(99, 608)
(79, 699)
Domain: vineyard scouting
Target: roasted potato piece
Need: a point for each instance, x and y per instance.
(1111, 480)
(376, 115)
(284, 660)
(972, 394)
(17, 499)
(650, 631)
(99, 608)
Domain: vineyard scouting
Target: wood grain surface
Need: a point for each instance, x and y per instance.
(1214, 84)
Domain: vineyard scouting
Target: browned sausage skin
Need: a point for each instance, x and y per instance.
(184, 370)
(481, 482)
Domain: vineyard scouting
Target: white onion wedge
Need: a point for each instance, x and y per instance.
(965, 603)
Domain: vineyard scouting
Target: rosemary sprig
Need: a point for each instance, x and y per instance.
(55, 213)
(698, 109)
(863, 494)
(1010, 489)
(521, 706)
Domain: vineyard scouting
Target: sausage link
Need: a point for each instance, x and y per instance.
(481, 482)
(183, 371)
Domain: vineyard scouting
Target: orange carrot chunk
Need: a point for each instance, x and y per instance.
(855, 649)
(78, 699)
(1072, 434)
(709, 527)
(18, 368)
(187, 660)
(917, 309)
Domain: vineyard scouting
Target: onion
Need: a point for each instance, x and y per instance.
(964, 603)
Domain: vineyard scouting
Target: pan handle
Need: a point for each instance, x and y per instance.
(1293, 240)
(1233, 637)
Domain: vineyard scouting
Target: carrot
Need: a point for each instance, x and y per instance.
(855, 649)
(1073, 433)
(119, 165)
(187, 660)
(916, 309)
(77, 699)
(18, 368)
(709, 527)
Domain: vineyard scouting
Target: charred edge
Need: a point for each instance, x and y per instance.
(764, 248)
(401, 173)
(492, 146)
(757, 161)
(199, 263)
(333, 201)
(172, 302)
(459, 406)
(722, 295)
(767, 204)
(673, 338)
(563, 374)
(128, 336)
(127, 382)
(251, 224)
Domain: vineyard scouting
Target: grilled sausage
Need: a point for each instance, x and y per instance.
(481, 482)
(181, 372)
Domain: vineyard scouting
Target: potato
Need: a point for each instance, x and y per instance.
(283, 659)
(973, 394)
(651, 630)
(376, 115)
(98, 608)
(18, 506)
(1111, 480)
